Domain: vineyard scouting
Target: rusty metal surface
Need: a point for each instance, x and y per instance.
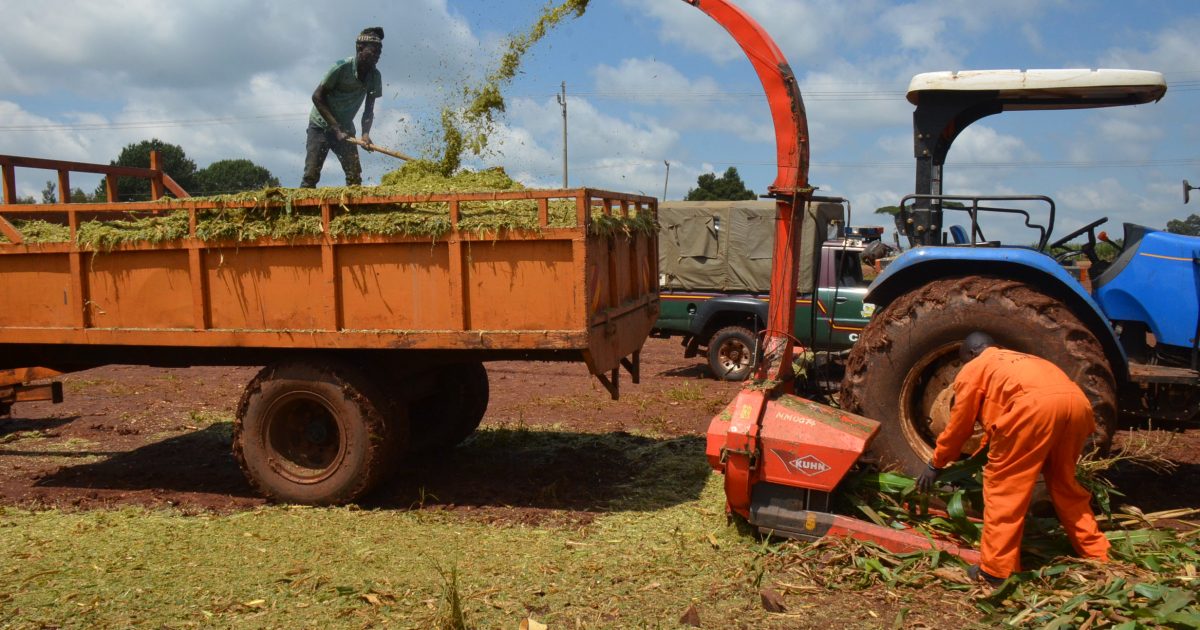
(555, 289)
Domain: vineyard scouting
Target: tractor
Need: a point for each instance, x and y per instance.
(1124, 329)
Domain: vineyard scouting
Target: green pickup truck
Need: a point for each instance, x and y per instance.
(715, 266)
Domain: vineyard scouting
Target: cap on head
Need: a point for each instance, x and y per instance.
(370, 35)
(974, 345)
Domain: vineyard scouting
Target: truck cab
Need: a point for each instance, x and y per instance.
(714, 262)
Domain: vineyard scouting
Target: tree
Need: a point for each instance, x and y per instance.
(50, 193)
(1189, 226)
(173, 160)
(728, 187)
(232, 176)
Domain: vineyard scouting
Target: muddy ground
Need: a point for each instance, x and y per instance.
(130, 435)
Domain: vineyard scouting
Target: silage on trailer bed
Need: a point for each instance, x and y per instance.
(414, 201)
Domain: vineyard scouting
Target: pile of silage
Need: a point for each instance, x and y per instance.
(39, 231)
(279, 213)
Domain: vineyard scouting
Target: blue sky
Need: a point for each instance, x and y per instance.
(649, 80)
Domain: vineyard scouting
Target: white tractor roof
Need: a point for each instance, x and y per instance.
(1048, 89)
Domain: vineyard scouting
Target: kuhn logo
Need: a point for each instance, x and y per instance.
(808, 464)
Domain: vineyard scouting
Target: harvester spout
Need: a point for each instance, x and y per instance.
(782, 456)
(790, 190)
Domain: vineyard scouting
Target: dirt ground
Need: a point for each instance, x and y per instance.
(130, 435)
(137, 436)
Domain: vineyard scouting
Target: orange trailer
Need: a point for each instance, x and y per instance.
(374, 345)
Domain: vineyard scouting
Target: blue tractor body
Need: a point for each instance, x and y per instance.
(1155, 281)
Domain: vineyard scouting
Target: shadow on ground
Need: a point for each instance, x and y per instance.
(1154, 491)
(553, 470)
(200, 461)
(15, 424)
(496, 468)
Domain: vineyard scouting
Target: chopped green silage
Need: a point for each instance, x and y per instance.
(471, 127)
(249, 224)
(107, 235)
(280, 214)
(39, 231)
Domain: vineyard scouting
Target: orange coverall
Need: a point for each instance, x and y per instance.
(1036, 420)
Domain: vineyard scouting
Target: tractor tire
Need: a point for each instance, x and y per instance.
(453, 409)
(316, 434)
(901, 370)
(731, 353)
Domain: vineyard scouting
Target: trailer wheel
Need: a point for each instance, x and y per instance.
(316, 434)
(901, 370)
(731, 353)
(453, 410)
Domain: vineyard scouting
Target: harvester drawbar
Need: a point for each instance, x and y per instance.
(783, 456)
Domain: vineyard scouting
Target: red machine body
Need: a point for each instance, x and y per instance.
(783, 456)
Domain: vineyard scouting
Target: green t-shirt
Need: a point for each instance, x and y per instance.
(346, 93)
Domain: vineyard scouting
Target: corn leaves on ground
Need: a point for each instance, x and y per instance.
(1152, 580)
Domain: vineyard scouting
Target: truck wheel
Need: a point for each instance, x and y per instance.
(901, 370)
(453, 410)
(731, 353)
(316, 434)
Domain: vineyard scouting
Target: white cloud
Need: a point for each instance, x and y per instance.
(981, 143)
(605, 151)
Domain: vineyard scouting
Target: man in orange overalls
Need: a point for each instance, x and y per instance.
(1035, 419)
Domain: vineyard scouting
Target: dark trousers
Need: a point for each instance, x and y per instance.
(320, 141)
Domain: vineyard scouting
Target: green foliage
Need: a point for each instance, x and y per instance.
(174, 162)
(50, 195)
(1189, 226)
(728, 187)
(232, 176)
(272, 213)
(1150, 583)
(107, 235)
(891, 210)
(39, 231)
(471, 127)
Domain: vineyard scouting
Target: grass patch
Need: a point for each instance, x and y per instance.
(306, 567)
(659, 545)
(687, 392)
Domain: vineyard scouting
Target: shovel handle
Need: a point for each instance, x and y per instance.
(378, 149)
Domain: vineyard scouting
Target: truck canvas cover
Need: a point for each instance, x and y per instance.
(727, 245)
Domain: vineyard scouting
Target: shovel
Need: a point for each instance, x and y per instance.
(378, 149)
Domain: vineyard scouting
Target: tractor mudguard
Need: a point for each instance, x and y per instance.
(922, 265)
(1156, 281)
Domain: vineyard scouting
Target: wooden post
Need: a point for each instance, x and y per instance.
(156, 182)
(10, 184)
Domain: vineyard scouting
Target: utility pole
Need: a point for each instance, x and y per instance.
(667, 180)
(562, 101)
